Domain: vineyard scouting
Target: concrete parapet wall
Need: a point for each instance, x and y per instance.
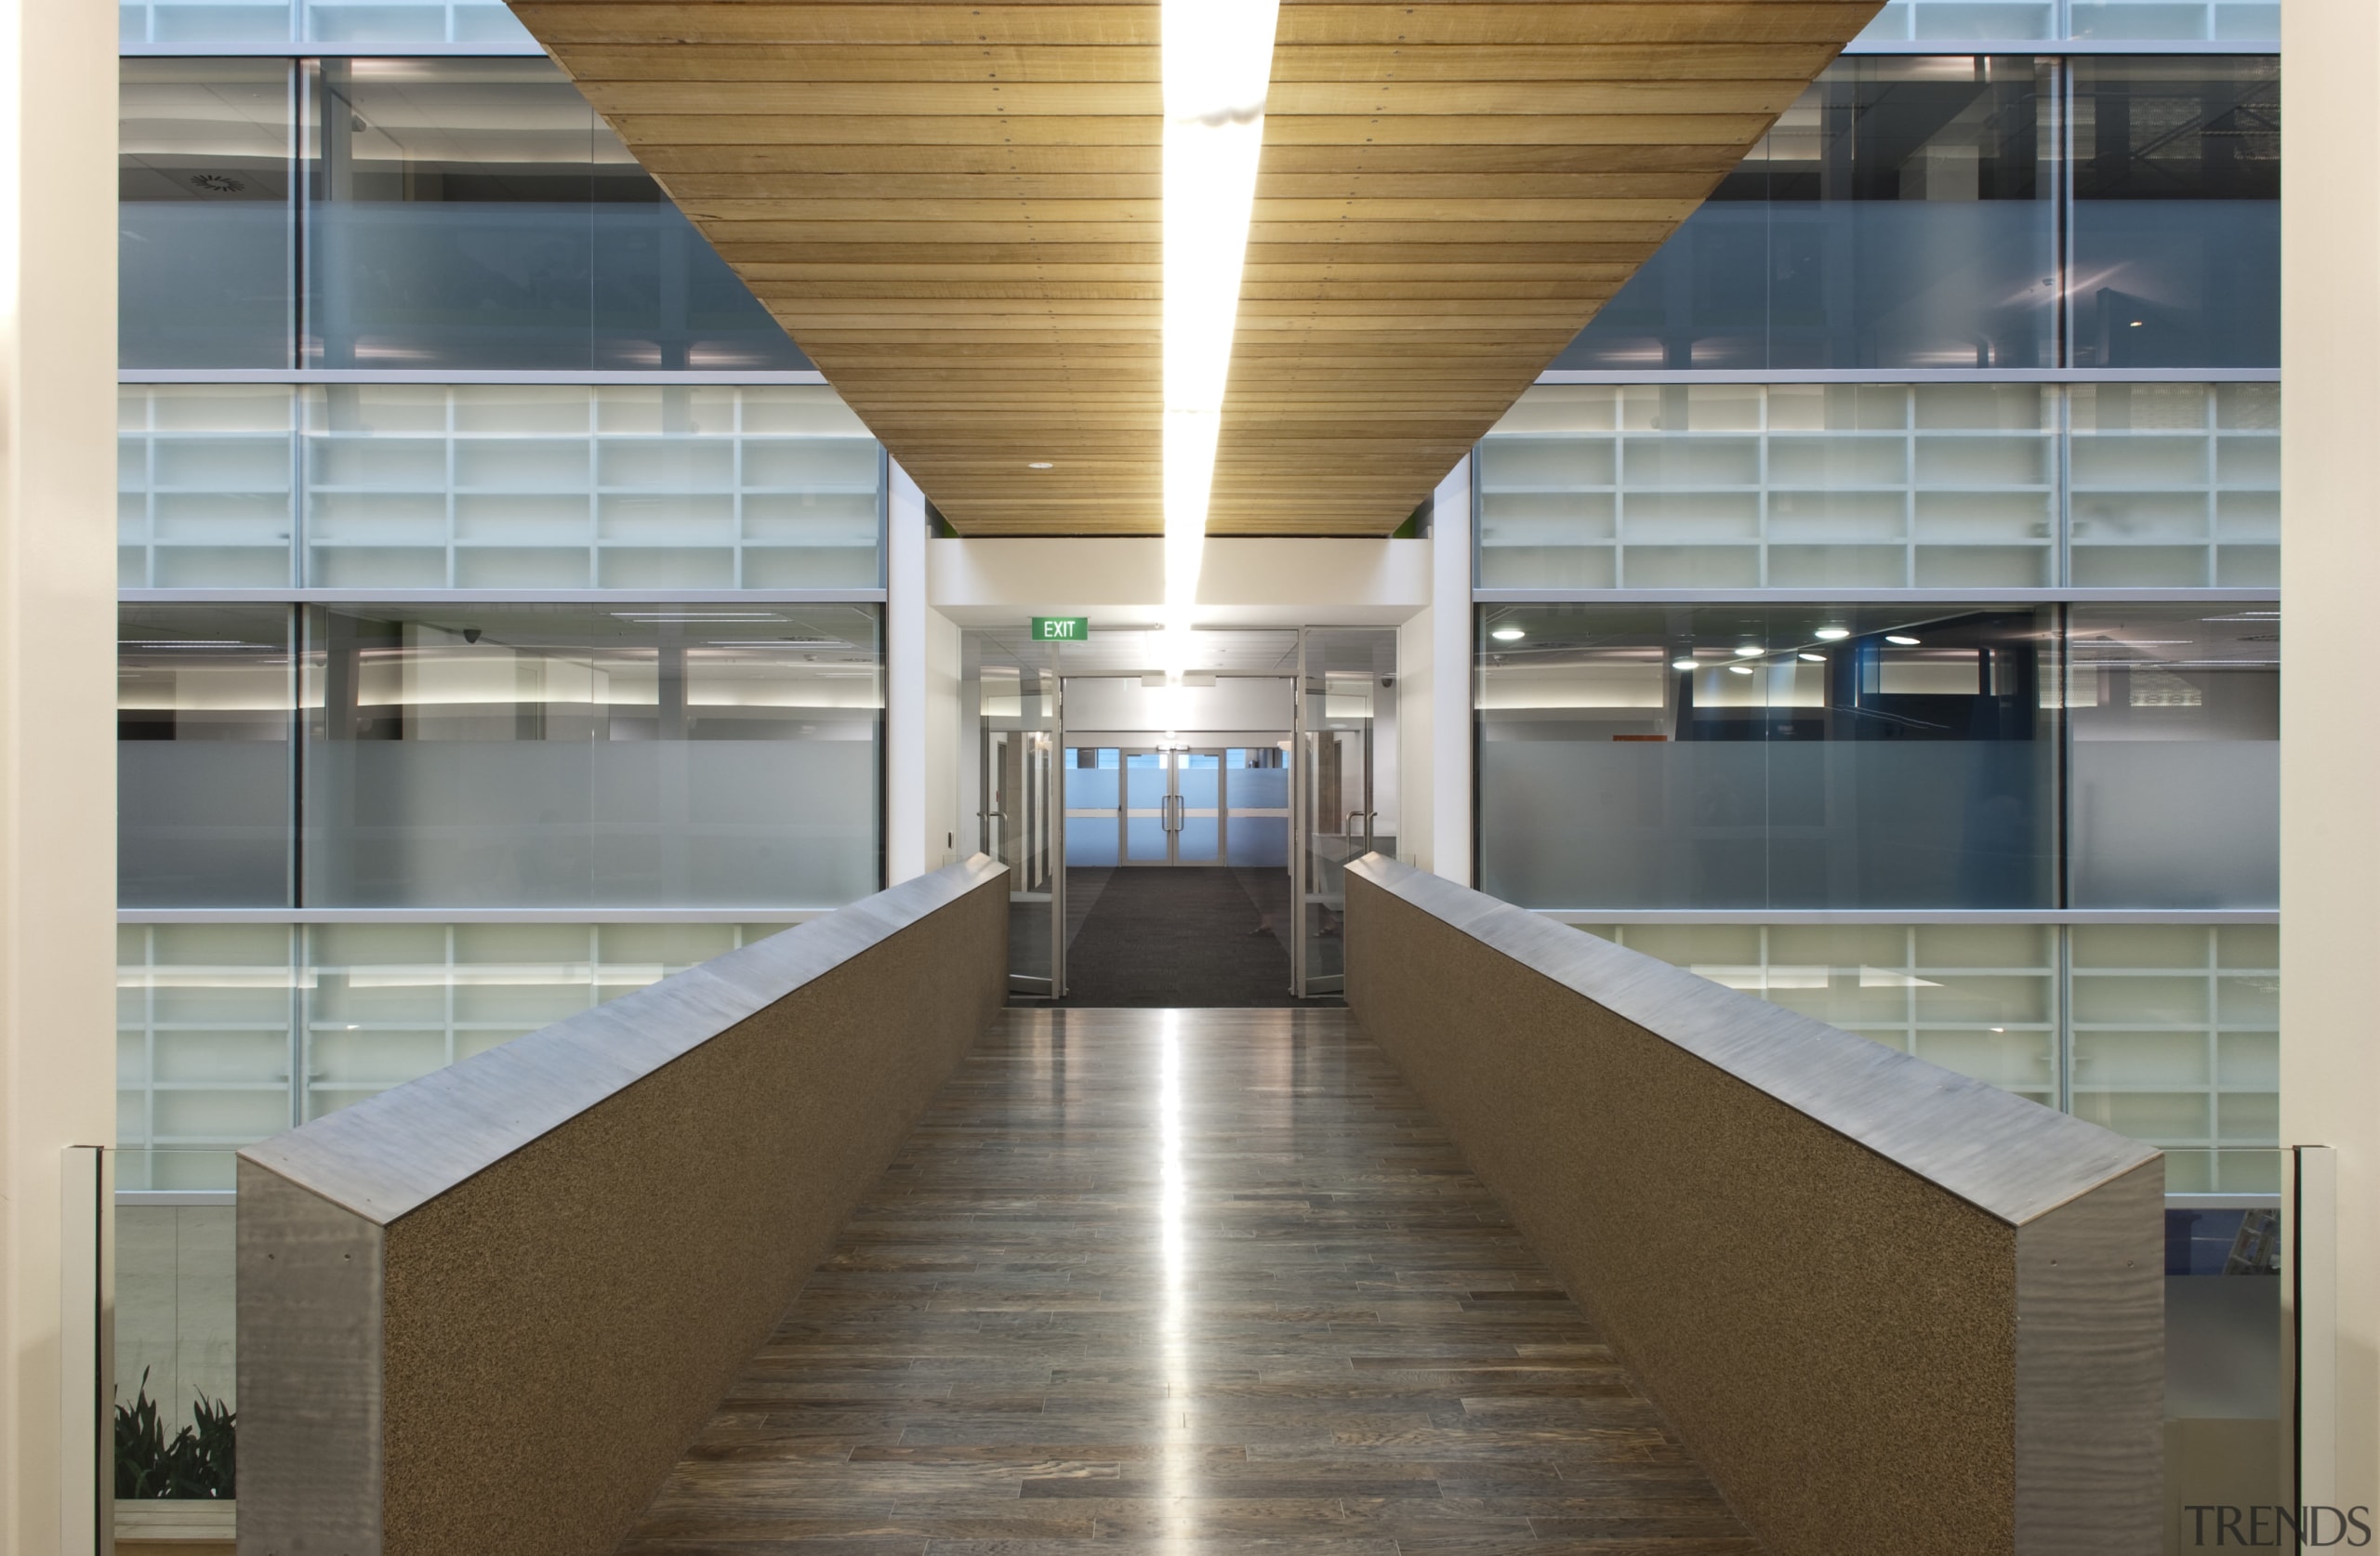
(1891, 1308)
(488, 1310)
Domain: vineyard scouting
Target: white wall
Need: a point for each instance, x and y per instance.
(2330, 841)
(1446, 732)
(921, 702)
(1232, 703)
(58, 69)
(1120, 582)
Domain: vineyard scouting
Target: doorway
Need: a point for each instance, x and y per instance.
(1179, 841)
(1178, 806)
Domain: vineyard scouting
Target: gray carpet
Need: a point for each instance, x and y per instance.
(1177, 937)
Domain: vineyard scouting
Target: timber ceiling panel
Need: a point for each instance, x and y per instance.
(955, 210)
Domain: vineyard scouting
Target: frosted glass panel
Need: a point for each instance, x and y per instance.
(206, 222)
(2175, 1042)
(1869, 486)
(2177, 734)
(202, 484)
(1786, 757)
(214, 1019)
(1981, 999)
(632, 488)
(529, 755)
(2176, 485)
(203, 700)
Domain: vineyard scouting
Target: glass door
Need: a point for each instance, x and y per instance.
(1148, 806)
(1342, 677)
(1173, 807)
(1023, 812)
(1198, 807)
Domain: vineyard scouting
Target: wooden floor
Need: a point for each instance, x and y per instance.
(1184, 1282)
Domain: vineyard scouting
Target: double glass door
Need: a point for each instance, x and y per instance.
(1174, 810)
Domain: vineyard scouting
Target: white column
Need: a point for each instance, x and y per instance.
(1449, 689)
(2330, 1042)
(57, 732)
(904, 684)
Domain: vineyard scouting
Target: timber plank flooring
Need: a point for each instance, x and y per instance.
(1190, 1282)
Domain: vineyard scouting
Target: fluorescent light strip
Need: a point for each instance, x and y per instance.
(1217, 66)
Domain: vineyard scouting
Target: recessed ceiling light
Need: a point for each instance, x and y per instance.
(1832, 634)
(1750, 650)
(1897, 638)
(1040, 465)
(1814, 658)
(1740, 669)
(1508, 634)
(1683, 664)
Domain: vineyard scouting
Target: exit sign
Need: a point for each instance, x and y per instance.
(1061, 629)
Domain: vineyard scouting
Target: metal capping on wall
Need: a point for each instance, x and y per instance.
(317, 1205)
(2083, 1203)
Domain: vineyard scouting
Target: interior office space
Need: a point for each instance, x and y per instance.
(1875, 609)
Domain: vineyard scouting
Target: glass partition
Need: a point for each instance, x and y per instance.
(1774, 757)
(1013, 752)
(204, 695)
(478, 214)
(534, 756)
(1899, 214)
(2175, 720)
(206, 243)
(1346, 677)
(2177, 211)
(175, 1390)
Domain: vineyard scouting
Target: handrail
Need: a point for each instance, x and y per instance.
(486, 1309)
(1889, 1307)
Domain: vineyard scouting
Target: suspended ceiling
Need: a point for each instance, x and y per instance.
(954, 209)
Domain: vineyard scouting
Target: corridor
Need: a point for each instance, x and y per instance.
(1184, 1282)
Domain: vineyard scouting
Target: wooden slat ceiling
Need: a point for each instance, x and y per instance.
(955, 210)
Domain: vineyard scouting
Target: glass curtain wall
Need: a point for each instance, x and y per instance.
(204, 700)
(1880, 758)
(1901, 213)
(1769, 756)
(205, 186)
(501, 757)
(2176, 212)
(461, 214)
(528, 756)
(1906, 213)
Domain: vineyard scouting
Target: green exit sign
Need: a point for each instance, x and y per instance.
(1061, 629)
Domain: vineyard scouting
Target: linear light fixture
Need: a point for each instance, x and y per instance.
(1217, 63)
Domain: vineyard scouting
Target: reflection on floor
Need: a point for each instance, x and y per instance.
(1177, 937)
(1183, 1281)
